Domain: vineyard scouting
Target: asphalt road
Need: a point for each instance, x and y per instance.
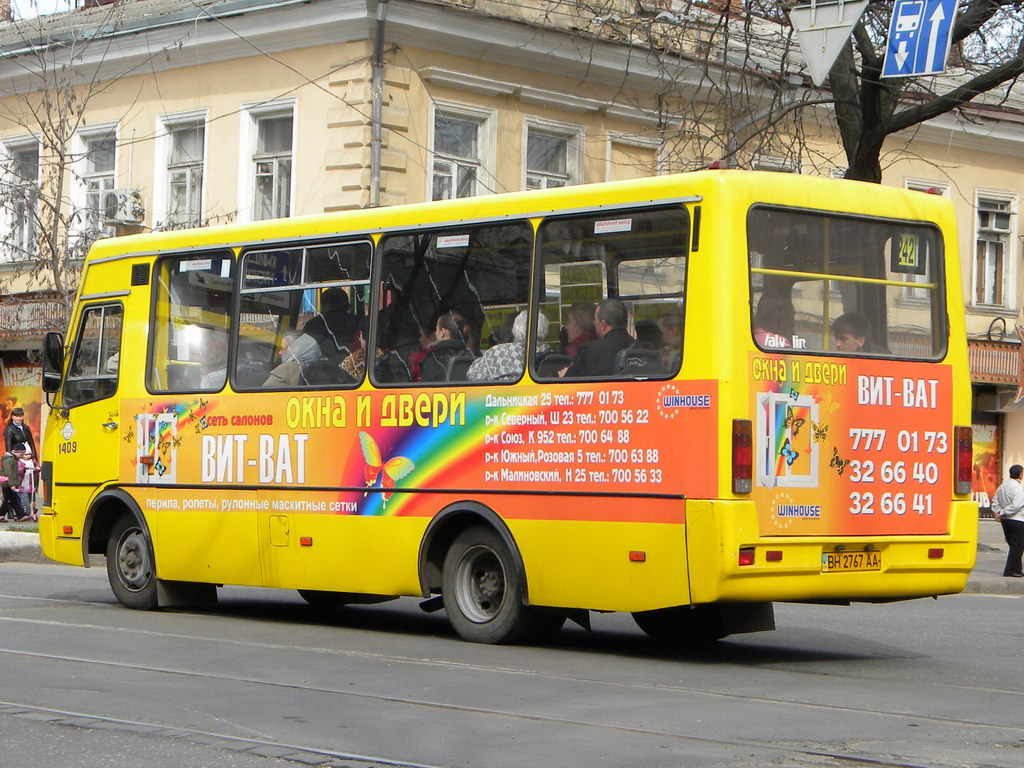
(264, 680)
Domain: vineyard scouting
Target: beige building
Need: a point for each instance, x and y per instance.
(152, 114)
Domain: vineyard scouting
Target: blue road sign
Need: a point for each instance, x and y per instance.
(919, 35)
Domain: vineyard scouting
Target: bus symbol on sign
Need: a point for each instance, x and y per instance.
(909, 18)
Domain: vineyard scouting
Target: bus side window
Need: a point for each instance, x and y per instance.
(615, 281)
(445, 295)
(189, 334)
(93, 370)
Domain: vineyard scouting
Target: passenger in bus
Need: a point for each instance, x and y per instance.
(671, 324)
(299, 350)
(774, 321)
(215, 361)
(578, 330)
(648, 334)
(334, 327)
(851, 332)
(451, 333)
(355, 364)
(598, 359)
(505, 333)
(504, 362)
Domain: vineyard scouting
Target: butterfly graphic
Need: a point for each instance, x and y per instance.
(160, 467)
(788, 453)
(820, 431)
(830, 404)
(792, 422)
(129, 435)
(793, 394)
(838, 462)
(387, 472)
(176, 441)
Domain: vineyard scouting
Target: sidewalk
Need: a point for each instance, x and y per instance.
(986, 578)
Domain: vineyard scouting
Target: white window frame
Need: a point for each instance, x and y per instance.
(163, 146)
(631, 140)
(249, 136)
(573, 136)
(485, 120)
(1010, 253)
(22, 244)
(80, 193)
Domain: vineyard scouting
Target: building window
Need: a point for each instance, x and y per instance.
(98, 176)
(185, 175)
(552, 158)
(272, 162)
(992, 253)
(457, 145)
(23, 172)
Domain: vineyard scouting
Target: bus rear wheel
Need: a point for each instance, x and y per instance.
(130, 568)
(482, 590)
(683, 624)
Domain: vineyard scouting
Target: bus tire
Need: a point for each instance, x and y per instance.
(482, 591)
(130, 568)
(683, 624)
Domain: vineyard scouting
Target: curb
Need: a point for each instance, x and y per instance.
(21, 547)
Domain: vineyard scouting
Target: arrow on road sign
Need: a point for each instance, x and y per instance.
(822, 29)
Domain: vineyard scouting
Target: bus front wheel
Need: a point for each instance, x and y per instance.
(481, 588)
(130, 565)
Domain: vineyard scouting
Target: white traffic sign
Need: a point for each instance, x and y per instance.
(920, 32)
(822, 28)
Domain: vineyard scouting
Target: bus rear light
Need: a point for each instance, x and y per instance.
(637, 556)
(746, 556)
(68, 530)
(936, 553)
(773, 556)
(963, 437)
(306, 541)
(742, 456)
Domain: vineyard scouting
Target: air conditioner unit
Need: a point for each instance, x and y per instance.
(122, 206)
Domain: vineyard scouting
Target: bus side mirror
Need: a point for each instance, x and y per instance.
(53, 361)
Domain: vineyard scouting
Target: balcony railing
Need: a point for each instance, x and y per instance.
(994, 362)
(27, 316)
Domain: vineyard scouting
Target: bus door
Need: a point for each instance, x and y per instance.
(87, 446)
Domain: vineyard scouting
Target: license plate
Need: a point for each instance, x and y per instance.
(841, 562)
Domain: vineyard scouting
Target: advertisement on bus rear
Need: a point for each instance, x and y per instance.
(851, 447)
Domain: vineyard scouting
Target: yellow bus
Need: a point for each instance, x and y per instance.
(683, 397)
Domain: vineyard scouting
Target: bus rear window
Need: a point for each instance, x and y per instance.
(844, 285)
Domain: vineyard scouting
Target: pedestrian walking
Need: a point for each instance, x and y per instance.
(1008, 507)
(17, 431)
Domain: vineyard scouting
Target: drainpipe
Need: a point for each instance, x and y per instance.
(378, 104)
